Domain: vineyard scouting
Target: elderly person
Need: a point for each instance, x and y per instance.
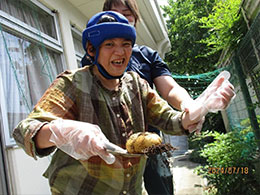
(85, 110)
(149, 65)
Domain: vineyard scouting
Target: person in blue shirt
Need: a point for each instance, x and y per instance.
(150, 66)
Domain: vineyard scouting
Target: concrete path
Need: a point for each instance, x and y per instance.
(186, 182)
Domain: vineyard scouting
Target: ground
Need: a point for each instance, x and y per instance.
(186, 182)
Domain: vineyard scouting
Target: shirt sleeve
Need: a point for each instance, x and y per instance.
(157, 65)
(159, 113)
(57, 102)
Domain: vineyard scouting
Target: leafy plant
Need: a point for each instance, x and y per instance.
(185, 33)
(231, 163)
(199, 31)
(226, 26)
(197, 142)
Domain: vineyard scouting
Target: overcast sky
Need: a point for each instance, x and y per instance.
(163, 2)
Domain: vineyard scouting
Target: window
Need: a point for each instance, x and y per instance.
(30, 57)
(30, 14)
(76, 34)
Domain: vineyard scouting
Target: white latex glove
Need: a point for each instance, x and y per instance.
(197, 126)
(216, 97)
(80, 140)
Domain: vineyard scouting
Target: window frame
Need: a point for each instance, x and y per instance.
(7, 139)
(4, 179)
(76, 32)
(18, 27)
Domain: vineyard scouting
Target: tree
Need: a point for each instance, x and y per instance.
(225, 26)
(199, 30)
(188, 53)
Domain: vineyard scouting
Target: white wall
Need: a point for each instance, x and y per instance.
(26, 173)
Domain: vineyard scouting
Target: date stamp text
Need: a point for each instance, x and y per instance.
(228, 170)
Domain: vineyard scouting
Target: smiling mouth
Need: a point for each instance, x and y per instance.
(118, 62)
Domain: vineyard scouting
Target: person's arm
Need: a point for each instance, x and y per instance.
(168, 88)
(218, 97)
(162, 116)
(32, 133)
(42, 138)
(171, 91)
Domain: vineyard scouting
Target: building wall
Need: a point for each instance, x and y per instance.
(68, 15)
(26, 173)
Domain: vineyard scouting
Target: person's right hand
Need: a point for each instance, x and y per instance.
(80, 140)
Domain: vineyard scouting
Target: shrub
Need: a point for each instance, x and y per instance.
(231, 163)
(197, 142)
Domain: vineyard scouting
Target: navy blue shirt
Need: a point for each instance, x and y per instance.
(147, 63)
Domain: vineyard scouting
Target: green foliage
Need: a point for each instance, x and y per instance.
(187, 52)
(199, 30)
(197, 142)
(214, 121)
(225, 26)
(231, 162)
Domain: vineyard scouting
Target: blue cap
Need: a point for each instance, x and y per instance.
(97, 33)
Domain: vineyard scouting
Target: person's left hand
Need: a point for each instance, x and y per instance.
(218, 94)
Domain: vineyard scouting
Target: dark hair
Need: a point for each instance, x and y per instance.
(130, 4)
(106, 18)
